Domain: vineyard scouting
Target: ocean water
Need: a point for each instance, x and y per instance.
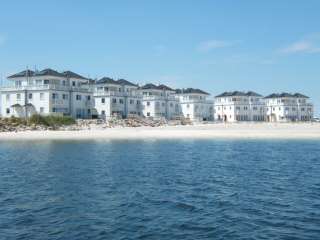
(195, 189)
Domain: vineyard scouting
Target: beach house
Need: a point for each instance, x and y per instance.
(159, 102)
(194, 104)
(46, 92)
(286, 107)
(239, 106)
(116, 98)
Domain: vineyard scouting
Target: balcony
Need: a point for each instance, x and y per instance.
(42, 88)
(115, 94)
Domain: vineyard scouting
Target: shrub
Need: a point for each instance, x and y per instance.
(51, 120)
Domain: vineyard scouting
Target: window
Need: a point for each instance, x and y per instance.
(63, 82)
(30, 96)
(64, 96)
(41, 109)
(121, 101)
(8, 110)
(171, 104)
(54, 96)
(114, 100)
(188, 106)
(148, 114)
(54, 110)
(18, 96)
(103, 100)
(78, 97)
(45, 81)
(138, 102)
(88, 97)
(73, 83)
(148, 103)
(41, 96)
(103, 112)
(8, 97)
(162, 104)
(131, 101)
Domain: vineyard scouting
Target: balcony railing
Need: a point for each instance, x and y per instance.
(42, 87)
(115, 94)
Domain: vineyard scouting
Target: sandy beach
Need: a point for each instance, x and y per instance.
(205, 131)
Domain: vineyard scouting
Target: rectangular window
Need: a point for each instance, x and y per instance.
(88, 97)
(103, 112)
(148, 114)
(18, 96)
(78, 97)
(131, 101)
(54, 96)
(41, 96)
(8, 110)
(41, 109)
(121, 101)
(8, 97)
(46, 81)
(30, 96)
(73, 83)
(103, 100)
(64, 96)
(148, 103)
(114, 100)
(138, 102)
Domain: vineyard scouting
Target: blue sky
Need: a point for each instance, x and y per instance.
(266, 46)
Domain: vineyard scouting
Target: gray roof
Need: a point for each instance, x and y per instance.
(239, 94)
(107, 80)
(48, 72)
(25, 73)
(191, 90)
(125, 82)
(155, 87)
(70, 74)
(286, 95)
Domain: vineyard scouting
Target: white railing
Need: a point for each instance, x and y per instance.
(115, 94)
(42, 87)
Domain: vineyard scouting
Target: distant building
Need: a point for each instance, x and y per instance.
(46, 92)
(239, 106)
(159, 102)
(195, 105)
(288, 107)
(116, 98)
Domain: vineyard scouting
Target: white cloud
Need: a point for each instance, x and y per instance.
(310, 44)
(213, 44)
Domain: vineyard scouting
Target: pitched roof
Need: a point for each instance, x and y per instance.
(25, 73)
(48, 72)
(70, 74)
(165, 87)
(106, 80)
(149, 86)
(299, 95)
(125, 82)
(286, 95)
(239, 94)
(191, 90)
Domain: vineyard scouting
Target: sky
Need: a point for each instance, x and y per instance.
(265, 46)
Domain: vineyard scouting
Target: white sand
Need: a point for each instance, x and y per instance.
(208, 131)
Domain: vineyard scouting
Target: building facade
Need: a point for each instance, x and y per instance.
(287, 107)
(159, 102)
(46, 92)
(116, 98)
(239, 106)
(194, 104)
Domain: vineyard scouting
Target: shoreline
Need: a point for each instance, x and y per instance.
(201, 131)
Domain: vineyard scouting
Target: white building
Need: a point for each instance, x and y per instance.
(116, 98)
(46, 92)
(159, 102)
(288, 107)
(239, 106)
(194, 104)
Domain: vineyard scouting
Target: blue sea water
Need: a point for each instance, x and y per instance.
(195, 189)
